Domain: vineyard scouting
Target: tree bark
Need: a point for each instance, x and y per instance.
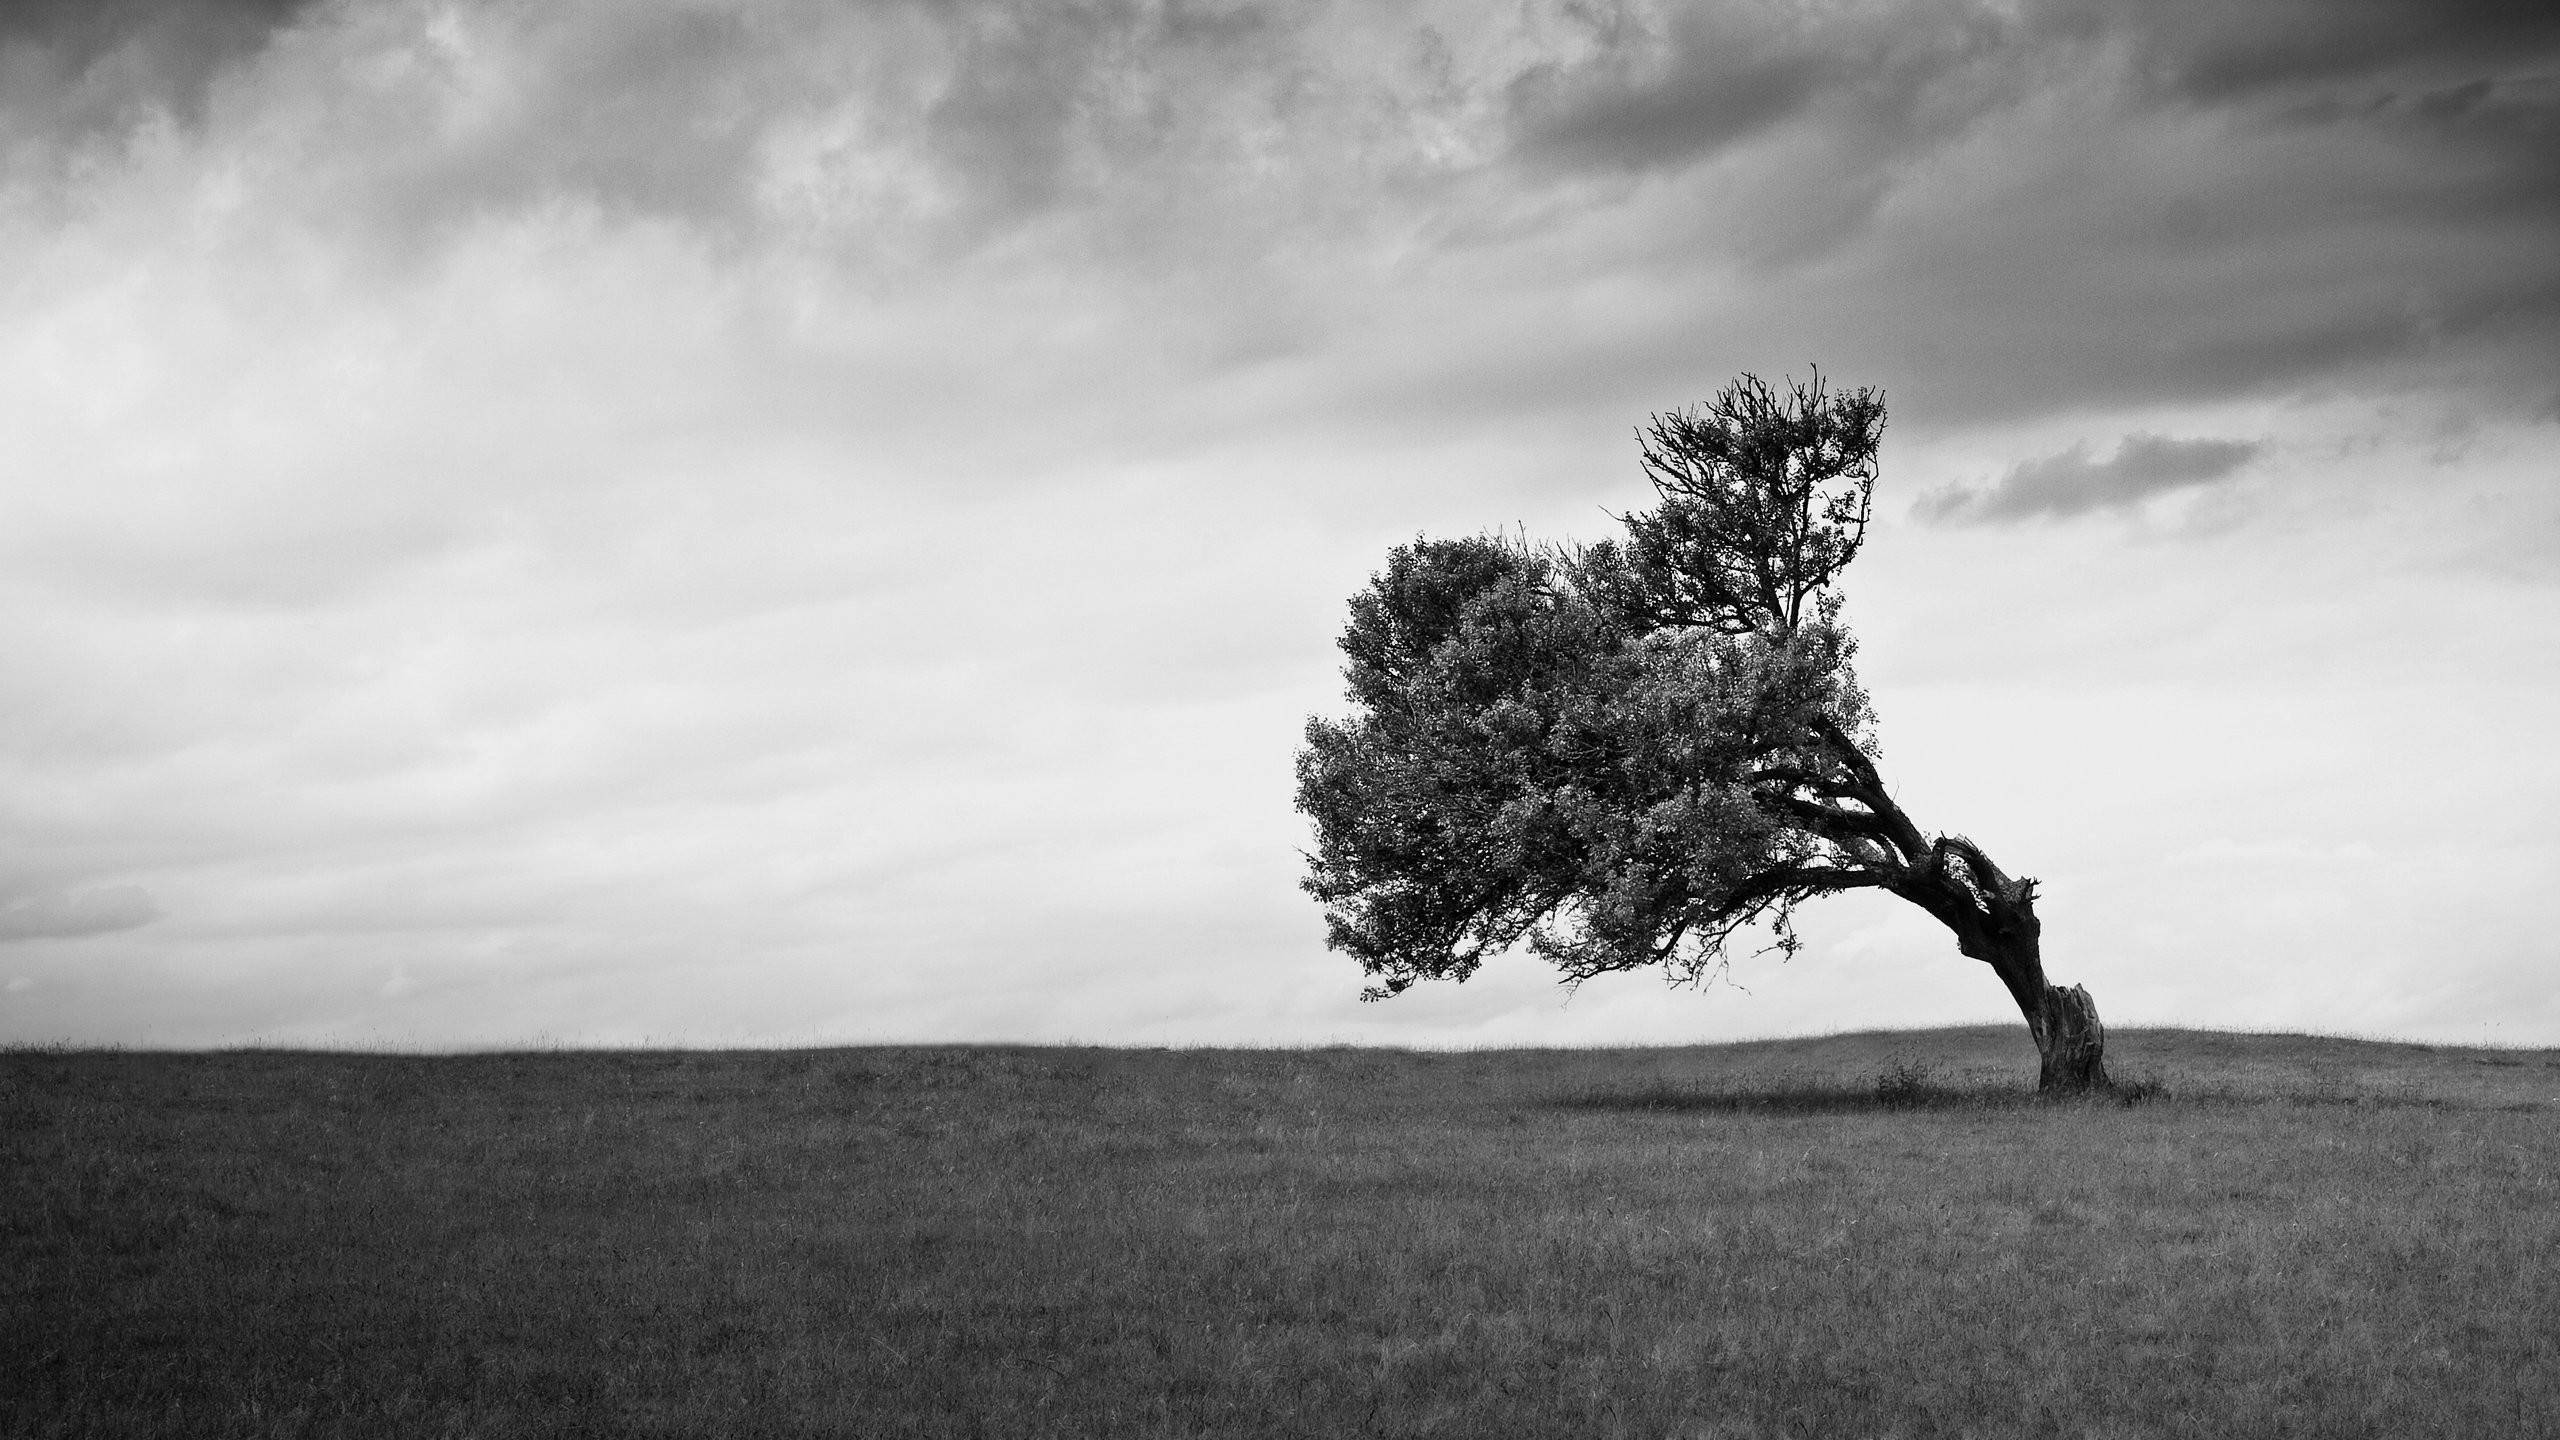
(2070, 1043)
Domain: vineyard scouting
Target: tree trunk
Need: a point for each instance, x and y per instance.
(1994, 921)
(2071, 1041)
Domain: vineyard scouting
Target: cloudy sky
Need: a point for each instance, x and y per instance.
(790, 522)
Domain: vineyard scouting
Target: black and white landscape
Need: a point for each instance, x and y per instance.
(668, 669)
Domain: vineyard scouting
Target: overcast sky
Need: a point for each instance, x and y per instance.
(780, 523)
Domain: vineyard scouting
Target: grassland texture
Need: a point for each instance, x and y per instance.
(1860, 1236)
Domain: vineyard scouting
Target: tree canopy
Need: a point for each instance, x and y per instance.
(1632, 753)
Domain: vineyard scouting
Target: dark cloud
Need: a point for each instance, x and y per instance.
(62, 915)
(2209, 51)
(1994, 211)
(1637, 126)
(656, 115)
(1009, 121)
(2465, 94)
(1716, 75)
(2076, 204)
(76, 68)
(1052, 107)
(82, 33)
(2477, 81)
(936, 125)
(2073, 483)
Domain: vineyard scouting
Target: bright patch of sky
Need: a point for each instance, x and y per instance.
(782, 523)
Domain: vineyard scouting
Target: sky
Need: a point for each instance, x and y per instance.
(626, 522)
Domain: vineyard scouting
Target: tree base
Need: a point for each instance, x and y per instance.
(2072, 1043)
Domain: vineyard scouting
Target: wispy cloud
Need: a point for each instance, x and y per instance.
(2074, 482)
(71, 914)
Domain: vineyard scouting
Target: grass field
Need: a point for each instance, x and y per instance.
(1855, 1236)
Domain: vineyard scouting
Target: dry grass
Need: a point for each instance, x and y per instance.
(1860, 1235)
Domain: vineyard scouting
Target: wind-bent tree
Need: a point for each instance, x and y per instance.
(1633, 753)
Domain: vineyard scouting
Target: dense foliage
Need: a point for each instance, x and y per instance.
(1526, 766)
(1590, 750)
(1627, 754)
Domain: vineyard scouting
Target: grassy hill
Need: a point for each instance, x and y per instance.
(1873, 1234)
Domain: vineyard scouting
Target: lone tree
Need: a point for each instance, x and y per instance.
(1631, 753)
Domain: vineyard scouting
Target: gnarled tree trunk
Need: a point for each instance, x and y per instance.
(1994, 920)
(1992, 915)
(2069, 1040)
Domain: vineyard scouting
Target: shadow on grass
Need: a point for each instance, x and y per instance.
(1895, 1091)
(1804, 1099)
(1905, 1083)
